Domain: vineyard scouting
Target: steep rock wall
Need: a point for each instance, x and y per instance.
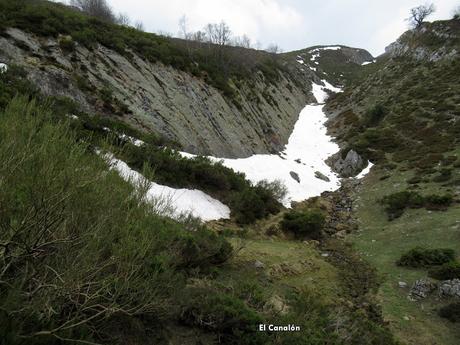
(159, 98)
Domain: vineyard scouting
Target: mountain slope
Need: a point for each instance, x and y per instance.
(338, 64)
(403, 113)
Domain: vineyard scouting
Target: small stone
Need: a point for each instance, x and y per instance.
(407, 318)
(259, 264)
(321, 176)
(402, 284)
(295, 176)
(325, 255)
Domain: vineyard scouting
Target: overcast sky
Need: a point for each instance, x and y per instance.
(292, 24)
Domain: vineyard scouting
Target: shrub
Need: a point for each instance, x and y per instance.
(374, 115)
(422, 257)
(67, 44)
(276, 188)
(201, 248)
(396, 203)
(224, 314)
(253, 203)
(304, 224)
(81, 241)
(438, 202)
(451, 312)
(448, 271)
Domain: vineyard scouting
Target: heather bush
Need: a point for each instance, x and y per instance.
(423, 257)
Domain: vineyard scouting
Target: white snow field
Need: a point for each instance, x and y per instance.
(307, 149)
(173, 202)
(368, 62)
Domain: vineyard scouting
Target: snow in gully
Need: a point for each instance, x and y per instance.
(303, 157)
(300, 167)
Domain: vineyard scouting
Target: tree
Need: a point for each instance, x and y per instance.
(224, 34)
(456, 13)
(199, 36)
(183, 27)
(96, 8)
(219, 34)
(123, 19)
(139, 26)
(274, 49)
(242, 41)
(419, 13)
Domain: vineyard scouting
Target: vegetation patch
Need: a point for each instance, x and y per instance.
(396, 203)
(447, 271)
(304, 224)
(423, 257)
(79, 241)
(451, 312)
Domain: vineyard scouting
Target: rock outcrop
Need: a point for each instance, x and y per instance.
(432, 42)
(421, 289)
(450, 288)
(349, 166)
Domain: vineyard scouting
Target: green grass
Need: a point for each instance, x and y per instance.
(292, 265)
(383, 242)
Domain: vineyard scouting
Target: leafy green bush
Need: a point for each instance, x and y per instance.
(67, 44)
(254, 202)
(201, 248)
(422, 257)
(448, 271)
(228, 316)
(304, 224)
(82, 250)
(451, 312)
(396, 203)
(374, 115)
(438, 202)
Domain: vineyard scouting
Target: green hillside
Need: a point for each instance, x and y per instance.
(405, 117)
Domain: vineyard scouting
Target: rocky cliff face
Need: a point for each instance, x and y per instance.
(158, 98)
(432, 42)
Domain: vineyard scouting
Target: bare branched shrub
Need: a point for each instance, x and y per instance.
(419, 14)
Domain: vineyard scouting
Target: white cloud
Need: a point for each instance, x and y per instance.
(292, 24)
(264, 20)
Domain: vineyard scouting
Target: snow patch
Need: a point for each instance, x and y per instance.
(300, 60)
(132, 140)
(320, 93)
(181, 201)
(3, 67)
(365, 170)
(368, 62)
